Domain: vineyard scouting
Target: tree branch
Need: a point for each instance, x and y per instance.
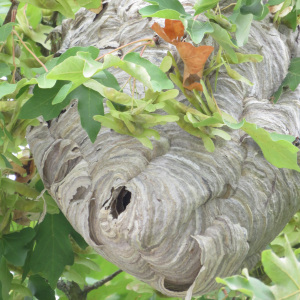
(99, 283)
(12, 10)
(61, 285)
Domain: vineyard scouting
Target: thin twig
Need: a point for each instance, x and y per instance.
(132, 49)
(13, 19)
(14, 59)
(24, 13)
(37, 59)
(142, 51)
(121, 47)
(125, 84)
(228, 6)
(101, 282)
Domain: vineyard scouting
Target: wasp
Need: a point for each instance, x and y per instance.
(296, 142)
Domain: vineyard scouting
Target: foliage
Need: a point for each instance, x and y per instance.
(37, 244)
(283, 271)
(291, 80)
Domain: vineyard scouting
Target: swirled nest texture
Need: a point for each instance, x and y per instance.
(174, 216)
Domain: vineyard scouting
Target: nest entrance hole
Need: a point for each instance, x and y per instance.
(120, 202)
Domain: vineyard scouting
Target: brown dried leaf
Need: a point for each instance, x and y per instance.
(172, 32)
(194, 59)
(26, 172)
(21, 218)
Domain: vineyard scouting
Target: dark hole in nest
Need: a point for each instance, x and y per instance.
(120, 202)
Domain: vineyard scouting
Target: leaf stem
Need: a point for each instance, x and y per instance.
(121, 47)
(14, 59)
(36, 58)
(132, 49)
(203, 105)
(228, 6)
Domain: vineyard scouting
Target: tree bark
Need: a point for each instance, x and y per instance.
(175, 216)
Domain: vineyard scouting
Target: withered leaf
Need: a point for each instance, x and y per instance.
(172, 32)
(26, 172)
(194, 58)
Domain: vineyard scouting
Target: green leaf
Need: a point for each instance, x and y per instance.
(197, 29)
(45, 83)
(221, 133)
(292, 78)
(72, 275)
(243, 58)
(284, 272)
(5, 279)
(291, 19)
(243, 23)
(237, 76)
(138, 72)
(88, 4)
(90, 103)
(255, 8)
(167, 9)
(40, 288)
(62, 6)
(33, 14)
(249, 286)
(11, 186)
(109, 93)
(21, 289)
(37, 34)
(90, 65)
(159, 79)
(53, 250)
(41, 103)
(203, 5)
(5, 31)
(15, 245)
(88, 263)
(78, 239)
(106, 78)
(215, 119)
(7, 88)
(264, 13)
(8, 59)
(140, 287)
(50, 64)
(222, 21)
(166, 64)
(280, 153)
(2, 162)
(291, 231)
(284, 137)
(7, 164)
(4, 70)
(170, 94)
(208, 144)
(73, 51)
(62, 93)
(222, 37)
(274, 2)
(70, 69)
